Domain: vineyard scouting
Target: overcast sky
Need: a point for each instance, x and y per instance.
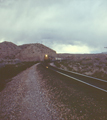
(69, 26)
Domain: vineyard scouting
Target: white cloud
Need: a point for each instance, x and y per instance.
(2, 40)
(62, 48)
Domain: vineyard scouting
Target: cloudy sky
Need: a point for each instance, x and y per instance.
(67, 26)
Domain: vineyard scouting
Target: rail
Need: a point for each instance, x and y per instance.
(87, 80)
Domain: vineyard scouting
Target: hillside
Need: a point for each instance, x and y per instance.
(8, 50)
(32, 52)
(89, 64)
(26, 52)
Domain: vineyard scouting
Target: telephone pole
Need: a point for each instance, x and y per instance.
(105, 48)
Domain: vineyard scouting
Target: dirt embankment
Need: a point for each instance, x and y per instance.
(39, 94)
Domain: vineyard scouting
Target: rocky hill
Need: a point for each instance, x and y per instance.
(26, 52)
(8, 50)
(32, 52)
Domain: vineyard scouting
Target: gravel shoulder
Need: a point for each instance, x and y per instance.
(39, 94)
(23, 99)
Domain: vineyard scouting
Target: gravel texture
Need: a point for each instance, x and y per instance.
(39, 94)
(71, 100)
(23, 99)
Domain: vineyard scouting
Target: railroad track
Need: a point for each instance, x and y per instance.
(96, 83)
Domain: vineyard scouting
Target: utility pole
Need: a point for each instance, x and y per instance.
(105, 47)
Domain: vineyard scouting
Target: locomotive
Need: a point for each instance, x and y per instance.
(46, 60)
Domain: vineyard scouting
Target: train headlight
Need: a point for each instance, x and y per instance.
(46, 55)
(46, 66)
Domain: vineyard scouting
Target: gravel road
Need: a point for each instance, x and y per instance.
(23, 99)
(39, 94)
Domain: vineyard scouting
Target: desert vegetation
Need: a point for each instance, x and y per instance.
(95, 66)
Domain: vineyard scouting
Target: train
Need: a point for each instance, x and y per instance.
(46, 57)
(46, 60)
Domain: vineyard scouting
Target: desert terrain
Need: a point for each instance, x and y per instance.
(89, 64)
(32, 92)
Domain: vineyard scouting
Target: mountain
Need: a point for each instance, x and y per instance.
(26, 52)
(8, 50)
(32, 52)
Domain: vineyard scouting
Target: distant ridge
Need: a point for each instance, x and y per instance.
(26, 52)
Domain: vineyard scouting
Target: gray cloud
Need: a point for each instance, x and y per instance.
(74, 22)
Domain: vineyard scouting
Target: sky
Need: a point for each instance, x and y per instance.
(67, 26)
